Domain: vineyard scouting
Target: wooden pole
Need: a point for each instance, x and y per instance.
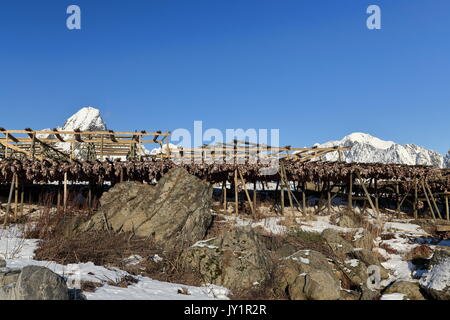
(433, 200)
(329, 201)
(33, 146)
(415, 200)
(16, 198)
(65, 193)
(6, 147)
(254, 195)
(22, 196)
(224, 194)
(397, 191)
(290, 193)
(287, 185)
(282, 197)
(58, 197)
(447, 210)
(428, 200)
(247, 194)
(377, 197)
(304, 198)
(350, 192)
(367, 194)
(236, 193)
(8, 208)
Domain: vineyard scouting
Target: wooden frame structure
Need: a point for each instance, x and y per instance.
(239, 151)
(77, 145)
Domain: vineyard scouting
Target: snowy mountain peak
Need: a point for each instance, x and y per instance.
(365, 138)
(86, 119)
(368, 149)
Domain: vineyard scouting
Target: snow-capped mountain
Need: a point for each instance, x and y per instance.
(369, 149)
(86, 119)
(447, 160)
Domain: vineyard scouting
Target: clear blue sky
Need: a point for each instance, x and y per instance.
(308, 67)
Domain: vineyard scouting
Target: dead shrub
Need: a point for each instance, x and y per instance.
(303, 240)
(99, 247)
(388, 249)
(268, 289)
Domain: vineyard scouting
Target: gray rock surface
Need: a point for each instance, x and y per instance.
(339, 245)
(411, 290)
(320, 285)
(436, 282)
(309, 275)
(36, 283)
(237, 259)
(8, 277)
(175, 213)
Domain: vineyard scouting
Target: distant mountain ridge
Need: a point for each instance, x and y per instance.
(366, 148)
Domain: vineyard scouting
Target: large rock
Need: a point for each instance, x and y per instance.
(436, 282)
(8, 277)
(369, 293)
(36, 283)
(356, 271)
(320, 285)
(300, 269)
(237, 259)
(339, 245)
(369, 259)
(411, 290)
(175, 213)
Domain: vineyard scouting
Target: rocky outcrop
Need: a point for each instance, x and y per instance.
(309, 275)
(436, 282)
(411, 290)
(238, 259)
(35, 283)
(175, 213)
(321, 285)
(369, 259)
(339, 245)
(8, 276)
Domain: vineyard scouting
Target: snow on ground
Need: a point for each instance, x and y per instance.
(270, 225)
(322, 223)
(403, 243)
(406, 227)
(19, 252)
(393, 296)
(439, 277)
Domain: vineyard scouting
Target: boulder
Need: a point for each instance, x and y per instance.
(356, 271)
(419, 253)
(339, 245)
(175, 213)
(369, 259)
(349, 295)
(306, 261)
(8, 277)
(436, 282)
(369, 293)
(320, 285)
(296, 270)
(297, 287)
(411, 290)
(36, 283)
(237, 259)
